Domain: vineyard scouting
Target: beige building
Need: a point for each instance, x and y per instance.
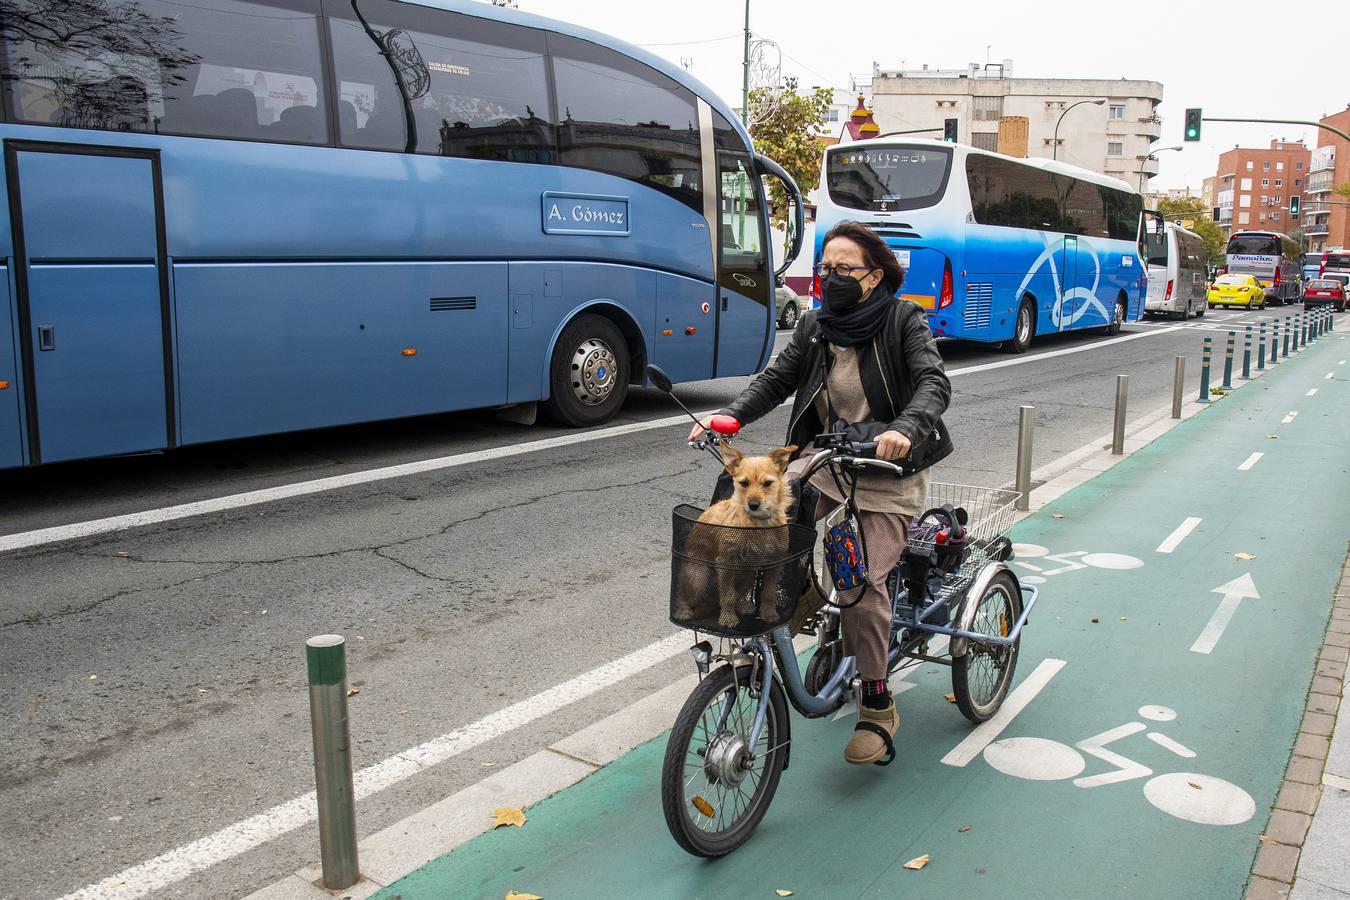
(1114, 137)
(1209, 192)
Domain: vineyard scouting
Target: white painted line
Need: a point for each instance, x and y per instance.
(1163, 740)
(55, 534)
(181, 862)
(1175, 538)
(1251, 461)
(1289, 418)
(1336, 781)
(1015, 702)
(1312, 392)
(1233, 594)
(1341, 363)
(1330, 375)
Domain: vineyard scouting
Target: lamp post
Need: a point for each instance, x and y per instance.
(1054, 145)
(1151, 155)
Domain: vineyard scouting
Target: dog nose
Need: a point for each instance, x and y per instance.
(754, 505)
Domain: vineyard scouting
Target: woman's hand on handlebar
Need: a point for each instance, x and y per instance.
(698, 430)
(892, 445)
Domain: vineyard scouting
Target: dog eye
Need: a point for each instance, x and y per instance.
(745, 482)
(768, 483)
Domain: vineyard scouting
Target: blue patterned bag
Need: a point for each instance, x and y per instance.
(843, 557)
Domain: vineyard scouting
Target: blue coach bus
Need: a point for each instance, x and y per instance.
(997, 249)
(227, 218)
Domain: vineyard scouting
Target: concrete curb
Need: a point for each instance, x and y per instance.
(405, 846)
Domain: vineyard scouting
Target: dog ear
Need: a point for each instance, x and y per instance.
(782, 456)
(731, 458)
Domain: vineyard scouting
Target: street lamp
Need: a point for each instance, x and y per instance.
(1054, 152)
(1151, 155)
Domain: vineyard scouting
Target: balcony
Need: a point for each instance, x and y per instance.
(1312, 209)
(1150, 127)
(1317, 229)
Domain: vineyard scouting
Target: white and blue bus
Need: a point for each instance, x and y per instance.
(1272, 257)
(996, 249)
(227, 218)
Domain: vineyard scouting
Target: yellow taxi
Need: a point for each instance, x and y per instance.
(1237, 290)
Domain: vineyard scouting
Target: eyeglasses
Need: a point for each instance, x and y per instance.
(824, 270)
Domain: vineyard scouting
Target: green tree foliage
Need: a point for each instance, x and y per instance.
(783, 126)
(1202, 223)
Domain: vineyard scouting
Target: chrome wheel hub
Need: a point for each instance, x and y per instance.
(726, 760)
(594, 368)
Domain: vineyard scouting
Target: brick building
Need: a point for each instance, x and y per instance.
(1254, 186)
(1325, 221)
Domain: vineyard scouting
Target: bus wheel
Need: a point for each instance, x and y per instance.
(1024, 328)
(588, 377)
(1119, 320)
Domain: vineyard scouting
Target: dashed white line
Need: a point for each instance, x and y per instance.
(1251, 461)
(1289, 418)
(1176, 537)
(1330, 375)
(987, 733)
(1311, 392)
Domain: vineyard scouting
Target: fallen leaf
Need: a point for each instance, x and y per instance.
(487, 765)
(508, 815)
(517, 895)
(359, 638)
(1095, 620)
(93, 678)
(264, 612)
(1057, 515)
(352, 692)
(1194, 785)
(951, 698)
(1266, 839)
(122, 553)
(783, 893)
(917, 862)
(1124, 618)
(201, 690)
(1244, 556)
(1273, 437)
(114, 818)
(963, 829)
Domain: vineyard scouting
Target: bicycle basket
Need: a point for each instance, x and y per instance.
(735, 581)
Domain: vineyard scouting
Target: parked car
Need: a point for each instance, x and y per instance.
(789, 304)
(1324, 292)
(1237, 290)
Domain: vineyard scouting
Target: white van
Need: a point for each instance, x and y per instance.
(1176, 273)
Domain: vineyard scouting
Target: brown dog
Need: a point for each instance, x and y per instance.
(760, 499)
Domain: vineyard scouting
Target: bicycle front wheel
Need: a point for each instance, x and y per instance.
(715, 786)
(981, 677)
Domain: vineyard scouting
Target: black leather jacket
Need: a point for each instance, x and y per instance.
(902, 378)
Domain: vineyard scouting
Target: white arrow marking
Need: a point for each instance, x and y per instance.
(1233, 594)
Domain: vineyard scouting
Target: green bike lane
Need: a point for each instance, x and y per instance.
(1156, 712)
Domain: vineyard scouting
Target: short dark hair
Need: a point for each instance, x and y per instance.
(875, 252)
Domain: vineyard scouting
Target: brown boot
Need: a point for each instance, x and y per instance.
(867, 745)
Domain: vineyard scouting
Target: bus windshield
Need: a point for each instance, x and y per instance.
(888, 178)
(1255, 245)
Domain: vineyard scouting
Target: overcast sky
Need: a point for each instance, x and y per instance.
(1185, 44)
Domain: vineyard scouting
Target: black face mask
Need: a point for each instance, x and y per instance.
(840, 292)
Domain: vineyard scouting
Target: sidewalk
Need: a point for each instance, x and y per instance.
(1185, 602)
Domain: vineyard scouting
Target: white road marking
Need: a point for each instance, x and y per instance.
(986, 733)
(1163, 740)
(1330, 375)
(1312, 392)
(1198, 798)
(1251, 461)
(1126, 768)
(1337, 781)
(1233, 594)
(1176, 537)
(184, 861)
(1289, 418)
(55, 534)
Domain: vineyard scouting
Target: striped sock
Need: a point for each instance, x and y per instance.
(875, 695)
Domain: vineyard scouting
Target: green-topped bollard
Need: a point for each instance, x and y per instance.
(1304, 327)
(1261, 349)
(326, 659)
(1228, 362)
(1275, 342)
(1288, 327)
(1204, 370)
(1247, 355)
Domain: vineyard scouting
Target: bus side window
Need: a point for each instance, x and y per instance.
(229, 69)
(620, 116)
(473, 88)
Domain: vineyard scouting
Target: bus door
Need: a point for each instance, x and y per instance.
(92, 298)
(745, 305)
(1070, 305)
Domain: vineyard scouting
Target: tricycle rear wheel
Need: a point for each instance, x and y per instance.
(982, 675)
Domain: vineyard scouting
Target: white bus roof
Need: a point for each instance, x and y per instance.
(1050, 165)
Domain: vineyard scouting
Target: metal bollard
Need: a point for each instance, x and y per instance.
(1298, 331)
(1287, 327)
(1305, 325)
(1118, 428)
(1178, 385)
(1026, 425)
(326, 660)
(1204, 370)
(1275, 343)
(1261, 350)
(1228, 362)
(1247, 355)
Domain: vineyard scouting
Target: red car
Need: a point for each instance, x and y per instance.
(1323, 291)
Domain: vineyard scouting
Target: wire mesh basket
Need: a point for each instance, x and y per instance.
(989, 513)
(735, 581)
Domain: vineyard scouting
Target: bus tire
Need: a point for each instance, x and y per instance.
(1024, 328)
(588, 375)
(1120, 310)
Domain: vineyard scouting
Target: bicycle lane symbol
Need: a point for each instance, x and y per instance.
(1071, 561)
(1191, 796)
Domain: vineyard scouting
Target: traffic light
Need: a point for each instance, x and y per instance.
(1293, 204)
(949, 130)
(1193, 118)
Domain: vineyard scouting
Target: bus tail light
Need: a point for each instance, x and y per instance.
(1277, 275)
(945, 297)
(1167, 294)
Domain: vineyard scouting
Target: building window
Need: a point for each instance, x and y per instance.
(1274, 217)
(1244, 218)
(1265, 166)
(1264, 198)
(1115, 148)
(1279, 182)
(1246, 184)
(987, 109)
(1279, 167)
(1245, 200)
(832, 115)
(1278, 200)
(1117, 110)
(1298, 166)
(984, 140)
(1265, 182)
(1262, 218)
(1298, 182)
(1249, 165)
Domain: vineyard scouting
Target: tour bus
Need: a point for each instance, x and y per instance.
(1271, 257)
(1176, 272)
(228, 218)
(1310, 266)
(996, 249)
(1334, 262)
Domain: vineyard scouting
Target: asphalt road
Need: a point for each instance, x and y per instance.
(152, 685)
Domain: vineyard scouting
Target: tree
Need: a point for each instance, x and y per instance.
(786, 133)
(1202, 223)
